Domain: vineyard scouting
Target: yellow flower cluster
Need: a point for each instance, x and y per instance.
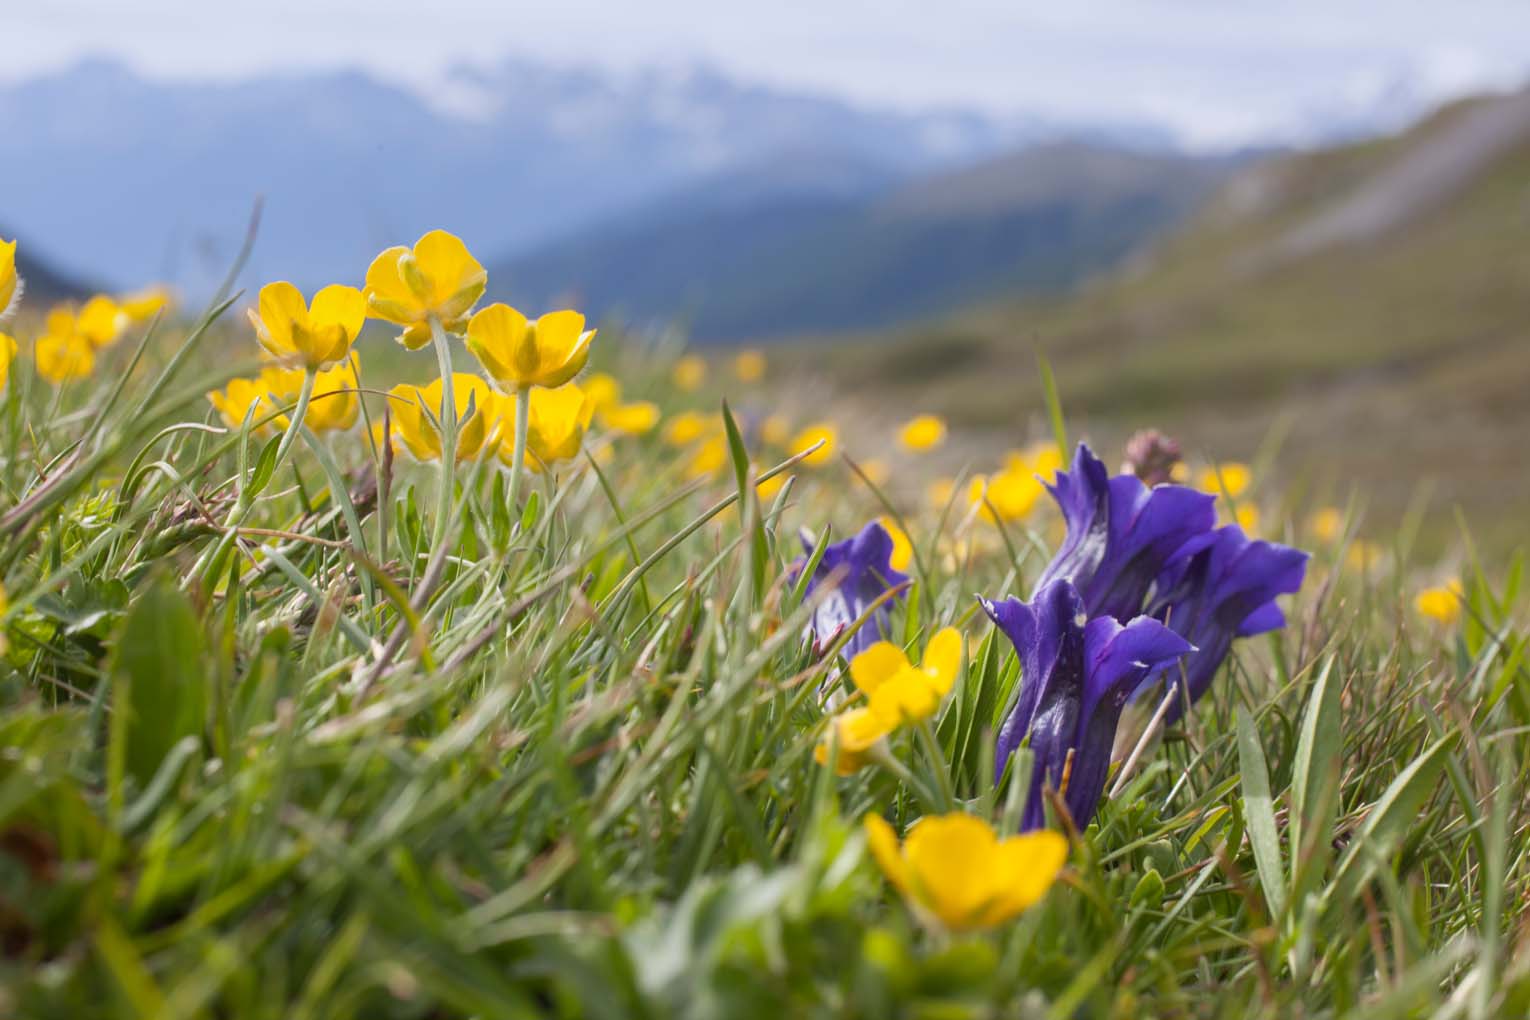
(335, 406)
(897, 693)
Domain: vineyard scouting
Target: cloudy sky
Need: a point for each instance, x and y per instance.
(1220, 71)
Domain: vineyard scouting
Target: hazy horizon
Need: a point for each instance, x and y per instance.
(1214, 77)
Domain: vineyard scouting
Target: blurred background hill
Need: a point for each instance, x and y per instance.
(1368, 302)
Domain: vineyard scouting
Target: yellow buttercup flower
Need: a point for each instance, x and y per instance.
(708, 458)
(903, 549)
(313, 337)
(336, 401)
(437, 278)
(1232, 478)
(1442, 604)
(768, 488)
(414, 430)
(1011, 494)
(749, 366)
(897, 692)
(689, 373)
(955, 870)
(940, 491)
(601, 390)
(775, 430)
(234, 401)
(924, 432)
(8, 349)
(1042, 459)
(10, 283)
(687, 427)
(633, 419)
(1327, 523)
(519, 353)
(1247, 518)
(142, 305)
(61, 357)
(823, 432)
(97, 323)
(555, 426)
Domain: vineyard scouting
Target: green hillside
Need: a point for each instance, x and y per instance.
(1370, 303)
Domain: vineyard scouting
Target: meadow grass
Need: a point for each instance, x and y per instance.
(578, 778)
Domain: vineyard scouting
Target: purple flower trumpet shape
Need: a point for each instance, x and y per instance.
(1224, 589)
(1075, 678)
(862, 571)
(1121, 534)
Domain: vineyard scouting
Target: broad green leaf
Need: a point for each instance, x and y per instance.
(1259, 810)
(159, 677)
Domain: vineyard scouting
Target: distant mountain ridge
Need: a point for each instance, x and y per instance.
(789, 260)
(127, 178)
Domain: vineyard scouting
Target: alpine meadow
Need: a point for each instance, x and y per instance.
(1034, 586)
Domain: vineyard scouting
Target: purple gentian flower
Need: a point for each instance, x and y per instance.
(1225, 589)
(862, 567)
(1075, 678)
(1121, 534)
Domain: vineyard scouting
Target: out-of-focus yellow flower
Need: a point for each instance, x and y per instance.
(921, 433)
(687, 427)
(1247, 518)
(61, 357)
(414, 430)
(1232, 478)
(708, 458)
(897, 693)
(749, 366)
(769, 487)
(1007, 495)
(314, 337)
(632, 419)
(98, 322)
(555, 426)
(1326, 523)
(903, 549)
(142, 305)
(336, 402)
(1363, 555)
(10, 283)
(824, 432)
(8, 349)
(1442, 604)
(1179, 473)
(234, 401)
(876, 471)
(437, 277)
(1043, 459)
(955, 870)
(1012, 494)
(602, 390)
(940, 491)
(775, 430)
(520, 353)
(689, 373)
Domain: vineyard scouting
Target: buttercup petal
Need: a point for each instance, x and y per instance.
(879, 663)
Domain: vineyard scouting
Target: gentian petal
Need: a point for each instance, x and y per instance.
(863, 566)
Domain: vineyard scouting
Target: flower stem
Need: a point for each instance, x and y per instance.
(210, 564)
(518, 457)
(937, 763)
(449, 423)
